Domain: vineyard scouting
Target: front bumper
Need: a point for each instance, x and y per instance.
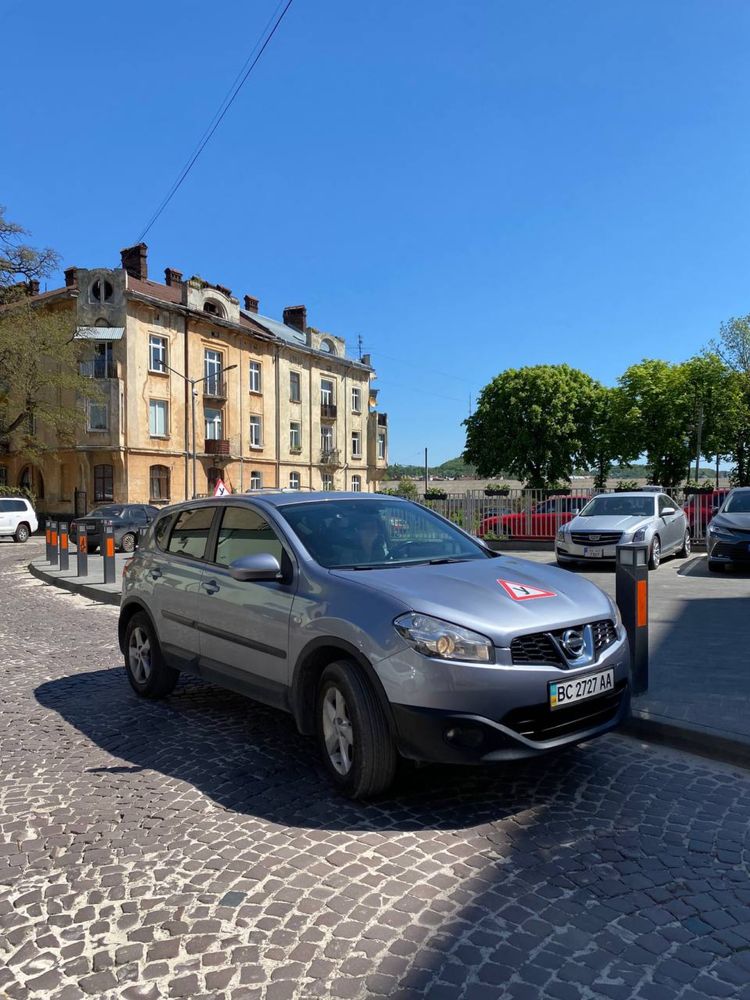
(568, 550)
(726, 550)
(470, 713)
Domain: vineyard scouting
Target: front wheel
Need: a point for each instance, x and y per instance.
(355, 742)
(684, 552)
(22, 533)
(149, 675)
(128, 543)
(655, 556)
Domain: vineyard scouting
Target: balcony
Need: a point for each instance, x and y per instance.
(328, 411)
(215, 388)
(217, 446)
(98, 368)
(330, 457)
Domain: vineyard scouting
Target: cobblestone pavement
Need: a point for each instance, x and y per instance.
(192, 848)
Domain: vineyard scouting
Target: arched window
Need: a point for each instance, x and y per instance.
(328, 346)
(256, 480)
(294, 480)
(159, 482)
(213, 308)
(31, 480)
(103, 483)
(101, 291)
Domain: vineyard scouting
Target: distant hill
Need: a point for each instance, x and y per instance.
(454, 468)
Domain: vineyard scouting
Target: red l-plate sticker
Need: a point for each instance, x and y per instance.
(523, 592)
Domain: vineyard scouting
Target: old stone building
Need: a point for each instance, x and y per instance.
(195, 387)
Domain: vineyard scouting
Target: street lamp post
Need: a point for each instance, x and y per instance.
(193, 395)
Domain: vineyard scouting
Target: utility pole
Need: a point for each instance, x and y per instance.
(426, 471)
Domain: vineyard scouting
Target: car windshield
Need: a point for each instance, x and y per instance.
(107, 512)
(625, 506)
(370, 534)
(738, 504)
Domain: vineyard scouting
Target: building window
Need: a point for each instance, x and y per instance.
(327, 481)
(356, 444)
(256, 431)
(104, 476)
(157, 353)
(326, 392)
(213, 362)
(294, 387)
(101, 291)
(256, 480)
(326, 438)
(158, 417)
(256, 378)
(3, 476)
(295, 436)
(213, 475)
(294, 481)
(213, 308)
(356, 399)
(159, 482)
(381, 446)
(100, 365)
(356, 484)
(98, 416)
(214, 425)
(328, 346)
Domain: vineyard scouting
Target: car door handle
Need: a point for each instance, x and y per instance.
(211, 586)
(155, 574)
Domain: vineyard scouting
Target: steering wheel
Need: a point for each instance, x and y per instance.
(400, 549)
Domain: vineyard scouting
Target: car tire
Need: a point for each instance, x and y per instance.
(22, 533)
(684, 552)
(714, 566)
(353, 734)
(128, 542)
(149, 675)
(654, 556)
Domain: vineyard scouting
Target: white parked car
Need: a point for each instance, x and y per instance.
(17, 518)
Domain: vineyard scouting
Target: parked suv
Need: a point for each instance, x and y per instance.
(420, 642)
(17, 518)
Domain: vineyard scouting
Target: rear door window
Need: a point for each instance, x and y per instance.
(190, 533)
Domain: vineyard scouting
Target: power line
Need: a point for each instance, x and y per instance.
(221, 112)
(422, 367)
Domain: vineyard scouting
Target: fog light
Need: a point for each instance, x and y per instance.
(464, 736)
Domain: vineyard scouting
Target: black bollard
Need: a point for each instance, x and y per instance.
(108, 552)
(48, 540)
(63, 536)
(632, 600)
(53, 543)
(83, 553)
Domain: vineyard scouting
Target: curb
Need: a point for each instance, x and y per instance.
(701, 742)
(88, 590)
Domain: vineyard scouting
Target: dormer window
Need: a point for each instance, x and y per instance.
(101, 291)
(328, 346)
(213, 308)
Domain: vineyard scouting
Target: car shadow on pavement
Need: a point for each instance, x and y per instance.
(250, 759)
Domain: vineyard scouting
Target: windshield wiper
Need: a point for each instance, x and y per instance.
(447, 559)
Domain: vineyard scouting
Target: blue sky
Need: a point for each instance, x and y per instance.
(468, 185)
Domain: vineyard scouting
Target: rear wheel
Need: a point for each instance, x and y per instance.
(684, 552)
(22, 533)
(655, 556)
(149, 675)
(128, 543)
(353, 735)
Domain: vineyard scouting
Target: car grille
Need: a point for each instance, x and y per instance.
(539, 722)
(595, 537)
(539, 648)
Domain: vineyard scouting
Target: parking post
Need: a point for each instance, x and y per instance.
(632, 599)
(48, 540)
(83, 553)
(63, 535)
(53, 543)
(108, 552)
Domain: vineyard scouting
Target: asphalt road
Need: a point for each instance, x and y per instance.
(193, 848)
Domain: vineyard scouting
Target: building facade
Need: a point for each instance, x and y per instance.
(194, 388)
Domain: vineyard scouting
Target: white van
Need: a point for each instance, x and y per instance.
(17, 518)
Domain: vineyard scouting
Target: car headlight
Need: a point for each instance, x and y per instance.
(442, 640)
(640, 535)
(560, 536)
(616, 615)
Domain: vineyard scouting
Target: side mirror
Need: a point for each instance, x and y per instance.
(261, 566)
(667, 511)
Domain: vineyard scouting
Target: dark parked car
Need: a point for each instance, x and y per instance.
(728, 535)
(127, 519)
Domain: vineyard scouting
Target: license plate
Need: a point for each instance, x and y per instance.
(593, 553)
(562, 693)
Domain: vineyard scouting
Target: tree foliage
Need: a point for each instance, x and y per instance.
(19, 261)
(533, 424)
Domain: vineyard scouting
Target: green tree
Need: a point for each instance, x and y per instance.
(533, 424)
(612, 433)
(20, 262)
(733, 348)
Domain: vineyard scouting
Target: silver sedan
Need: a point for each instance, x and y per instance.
(617, 518)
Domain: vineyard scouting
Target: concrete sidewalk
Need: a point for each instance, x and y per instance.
(699, 646)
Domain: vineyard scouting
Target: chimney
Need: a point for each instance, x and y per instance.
(296, 316)
(135, 261)
(33, 287)
(366, 359)
(172, 277)
(251, 305)
(71, 277)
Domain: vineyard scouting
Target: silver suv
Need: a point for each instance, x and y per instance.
(383, 628)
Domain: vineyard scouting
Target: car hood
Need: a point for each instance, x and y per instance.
(741, 521)
(472, 594)
(609, 522)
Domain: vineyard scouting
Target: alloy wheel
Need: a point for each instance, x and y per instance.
(139, 655)
(337, 731)
(656, 553)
